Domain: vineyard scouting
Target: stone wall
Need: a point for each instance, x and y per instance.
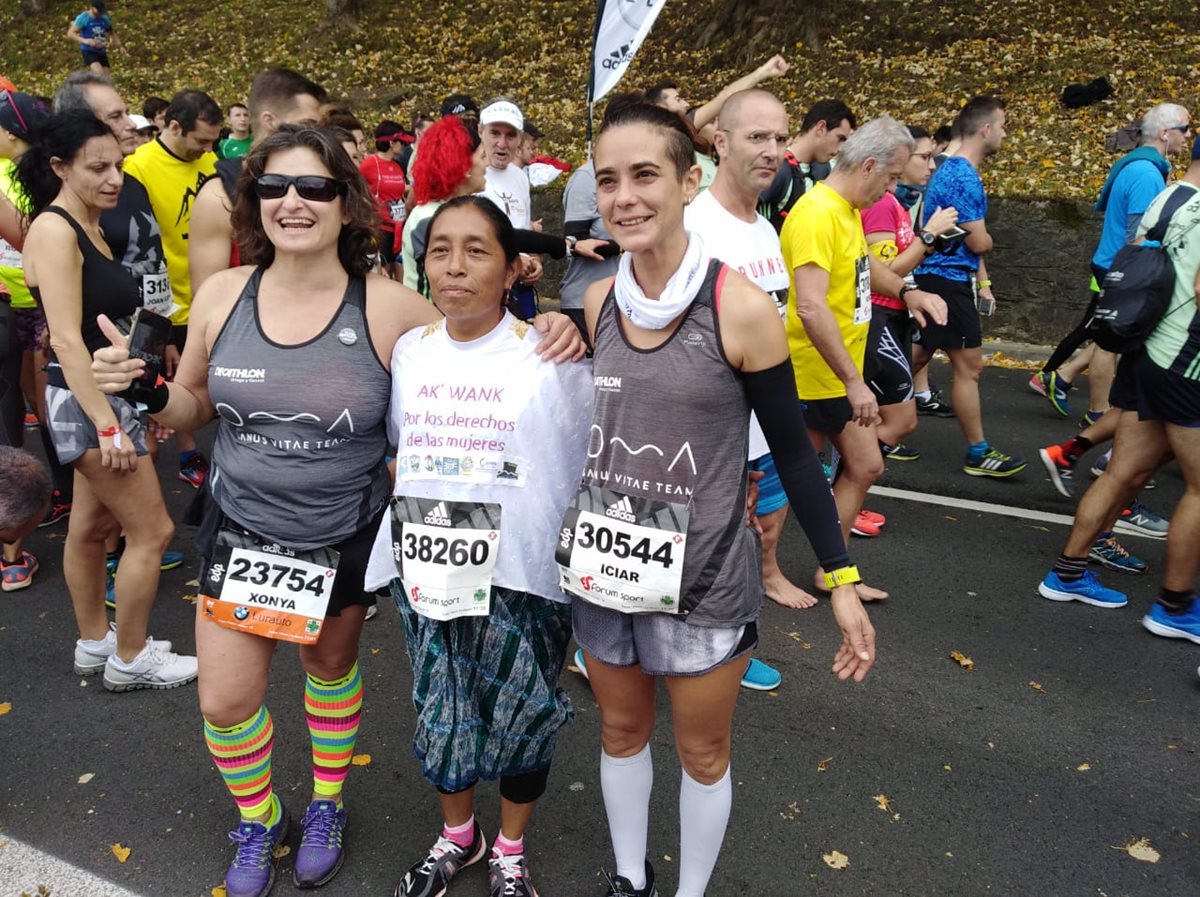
(1040, 267)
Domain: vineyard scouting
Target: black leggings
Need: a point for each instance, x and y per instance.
(1073, 340)
(522, 789)
(12, 403)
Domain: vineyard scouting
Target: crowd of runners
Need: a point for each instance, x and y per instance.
(748, 315)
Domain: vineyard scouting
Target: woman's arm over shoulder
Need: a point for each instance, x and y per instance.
(393, 310)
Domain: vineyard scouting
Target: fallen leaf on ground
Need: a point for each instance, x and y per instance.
(121, 852)
(218, 891)
(361, 759)
(375, 651)
(1083, 767)
(86, 777)
(1141, 850)
(281, 851)
(190, 599)
(1037, 686)
(882, 801)
(193, 583)
(963, 661)
(947, 767)
(5, 707)
(835, 859)
(823, 765)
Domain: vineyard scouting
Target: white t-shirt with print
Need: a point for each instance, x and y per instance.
(751, 249)
(508, 188)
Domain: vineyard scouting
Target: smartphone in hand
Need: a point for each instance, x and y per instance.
(148, 338)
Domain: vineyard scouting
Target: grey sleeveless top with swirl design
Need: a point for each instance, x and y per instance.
(671, 424)
(299, 453)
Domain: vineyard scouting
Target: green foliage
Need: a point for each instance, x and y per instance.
(917, 60)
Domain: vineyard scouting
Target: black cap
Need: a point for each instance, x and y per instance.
(533, 130)
(459, 104)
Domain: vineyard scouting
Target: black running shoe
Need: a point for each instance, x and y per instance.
(431, 876)
(934, 406)
(619, 886)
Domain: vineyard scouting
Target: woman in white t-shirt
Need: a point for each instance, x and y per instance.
(490, 444)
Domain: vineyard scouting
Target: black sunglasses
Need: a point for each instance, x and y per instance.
(312, 187)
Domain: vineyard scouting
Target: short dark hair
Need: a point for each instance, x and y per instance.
(832, 112)
(191, 106)
(358, 240)
(976, 113)
(501, 226)
(276, 89)
(153, 106)
(917, 132)
(680, 149)
(340, 117)
(655, 92)
(233, 106)
(62, 136)
(100, 6)
(25, 488)
(943, 134)
(385, 134)
(421, 118)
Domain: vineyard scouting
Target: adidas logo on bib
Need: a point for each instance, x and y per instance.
(437, 517)
(622, 510)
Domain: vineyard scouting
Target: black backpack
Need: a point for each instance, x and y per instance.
(1137, 288)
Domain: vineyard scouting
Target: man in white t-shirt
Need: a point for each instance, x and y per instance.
(500, 127)
(752, 132)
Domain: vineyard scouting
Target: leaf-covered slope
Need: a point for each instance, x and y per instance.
(917, 60)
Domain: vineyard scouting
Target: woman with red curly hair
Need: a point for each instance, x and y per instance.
(452, 163)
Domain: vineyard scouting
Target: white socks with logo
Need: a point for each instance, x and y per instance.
(625, 783)
(703, 816)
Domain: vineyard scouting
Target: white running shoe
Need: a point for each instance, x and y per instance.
(152, 668)
(89, 661)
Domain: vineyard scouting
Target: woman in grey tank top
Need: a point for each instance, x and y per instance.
(292, 356)
(657, 552)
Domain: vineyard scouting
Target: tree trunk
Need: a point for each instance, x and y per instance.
(34, 7)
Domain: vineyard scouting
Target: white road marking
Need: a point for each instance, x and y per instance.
(25, 868)
(966, 504)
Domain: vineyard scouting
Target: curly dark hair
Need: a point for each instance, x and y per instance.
(358, 241)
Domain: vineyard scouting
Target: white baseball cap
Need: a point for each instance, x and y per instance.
(502, 111)
(141, 123)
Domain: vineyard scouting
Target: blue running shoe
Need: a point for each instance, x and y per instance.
(321, 854)
(1185, 625)
(1110, 553)
(761, 677)
(581, 663)
(1087, 589)
(252, 873)
(1139, 519)
(1101, 464)
(1089, 418)
(110, 591)
(171, 560)
(1056, 394)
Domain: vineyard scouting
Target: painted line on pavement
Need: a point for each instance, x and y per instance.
(25, 868)
(966, 504)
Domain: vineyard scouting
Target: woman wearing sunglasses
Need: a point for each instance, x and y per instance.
(293, 359)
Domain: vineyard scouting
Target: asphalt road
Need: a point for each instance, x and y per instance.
(1074, 735)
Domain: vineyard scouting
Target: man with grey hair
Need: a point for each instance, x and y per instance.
(25, 491)
(130, 227)
(829, 301)
(957, 272)
(1132, 183)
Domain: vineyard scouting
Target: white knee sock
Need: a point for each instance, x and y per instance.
(703, 815)
(625, 783)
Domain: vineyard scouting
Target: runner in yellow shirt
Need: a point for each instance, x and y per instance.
(173, 168)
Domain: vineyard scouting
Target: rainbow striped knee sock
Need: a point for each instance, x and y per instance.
(333, 710)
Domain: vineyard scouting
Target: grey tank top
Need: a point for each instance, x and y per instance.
(299, 452)
(671, 424)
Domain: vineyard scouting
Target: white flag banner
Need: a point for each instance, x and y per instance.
(621, 26)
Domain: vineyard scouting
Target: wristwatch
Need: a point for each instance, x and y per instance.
(906, 287)
(570, 241)
(843, 576)
(929, 240)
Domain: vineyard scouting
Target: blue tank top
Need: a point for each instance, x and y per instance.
(299, 453)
